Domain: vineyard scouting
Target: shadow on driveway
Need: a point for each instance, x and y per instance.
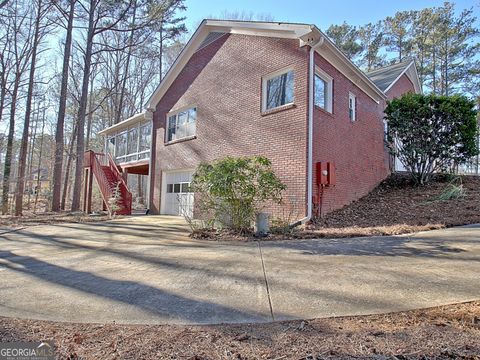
(148, 298)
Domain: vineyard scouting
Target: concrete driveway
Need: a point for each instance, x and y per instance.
(147, 270)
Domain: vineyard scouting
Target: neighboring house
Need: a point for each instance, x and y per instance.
(280, 90)
(38, 182)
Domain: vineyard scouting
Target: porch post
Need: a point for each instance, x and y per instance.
(87, 191)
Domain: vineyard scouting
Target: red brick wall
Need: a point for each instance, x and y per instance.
(223, 80)
(402, 86)
(356, 148)
(230, 122)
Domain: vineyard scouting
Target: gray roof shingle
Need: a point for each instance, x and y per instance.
(385, 76)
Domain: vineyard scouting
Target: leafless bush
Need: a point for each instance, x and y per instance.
(290, 214)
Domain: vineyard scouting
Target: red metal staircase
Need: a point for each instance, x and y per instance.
(110, 181)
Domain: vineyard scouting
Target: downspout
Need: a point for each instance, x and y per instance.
(149, 116)
(311, 77)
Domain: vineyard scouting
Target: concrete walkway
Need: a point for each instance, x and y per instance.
(146, 270)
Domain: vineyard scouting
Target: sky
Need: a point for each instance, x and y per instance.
(321, 13)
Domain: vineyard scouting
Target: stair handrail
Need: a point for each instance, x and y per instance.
(103, 184)
(118, 175)
(114, 168)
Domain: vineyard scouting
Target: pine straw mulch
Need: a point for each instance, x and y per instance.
(446, 332)
(397, 201)
(394, 207)
(48, 218)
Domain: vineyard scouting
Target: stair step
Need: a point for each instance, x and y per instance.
(113, 183)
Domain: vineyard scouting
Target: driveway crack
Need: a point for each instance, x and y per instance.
(266, 281)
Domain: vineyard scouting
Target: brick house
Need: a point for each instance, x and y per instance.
(280, 90)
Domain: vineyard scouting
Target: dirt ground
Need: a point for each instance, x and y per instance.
(397, 201)
(45, 218)
(447, 332)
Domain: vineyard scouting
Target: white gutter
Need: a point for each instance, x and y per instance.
(311, 78)
(122, 125)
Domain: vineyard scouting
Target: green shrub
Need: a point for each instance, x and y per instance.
(234, 190)
(431, 133)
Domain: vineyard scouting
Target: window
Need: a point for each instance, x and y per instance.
(352, 107)
(178, 188)
(323, 91)
(145, 136)
(111, 145)
(132, 144)
(182, 124)
(121, 145)
(277, 90)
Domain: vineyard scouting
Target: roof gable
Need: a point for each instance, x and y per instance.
(387, 76)
(211, 30)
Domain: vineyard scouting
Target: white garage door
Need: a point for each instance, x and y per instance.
(178, 198)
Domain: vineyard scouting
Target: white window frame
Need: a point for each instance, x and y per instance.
(175, 113)
(264, 87)
(329, 93)
(136, 155)
(353, 99)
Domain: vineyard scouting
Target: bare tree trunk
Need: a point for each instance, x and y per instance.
(32, 148)
(59, 136)
(434, 72)
(68, 167)
(26, 124)
(7, 169)
(90, 112)
(3, 92)
(127, 66)
(161, 51)
(445, 80)
(78, 179)
(39, 173)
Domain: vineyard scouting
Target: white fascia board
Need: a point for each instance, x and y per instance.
(125, 123)
(280, 30)
(355, 75)
(182, 59)
(339, 60)
(306, 34)
(398, 77)
(411, 72)
(261, 28)
(413, 76)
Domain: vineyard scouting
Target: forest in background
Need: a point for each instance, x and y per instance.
(70, 68)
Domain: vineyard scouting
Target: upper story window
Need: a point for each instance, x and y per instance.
(352, 107)
(277, 90)
(182, 124)
(323, 90)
